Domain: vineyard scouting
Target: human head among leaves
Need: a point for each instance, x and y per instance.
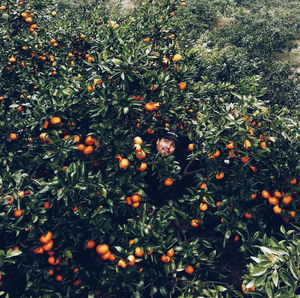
(166, 143)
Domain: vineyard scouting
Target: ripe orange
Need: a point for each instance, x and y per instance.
(247, 144)
(248, 215)
(150, 131)
(245, 159)
(293, 181)
(46, 205)
(131, 259)
(177, 57)
(112, 257)
(18, 213)
(137, 148)
(102, 249)
(89, 140)
(13, 136)
(189, 269)
(277, 209)
(76, 139)
(182, 85)
(124, 163)
(151, 106)
(292, 213)
(218, 203)
(46, 237)
(140, 155)
(77, 282)
(91, 88)
(171, 252)
(246, 290)
(12, 59)
(88, 150)
(263, 145)
(146, 39)
(48, 246)
(90, 244)
(220, 176)
(135, 198)
(38, 250)
(230, 145)
(21, 194)
(122, 263)
(253, 196)
(287, 200)
(215, 154)
(53, 261)
(273, 201)
(195, 222)
(43, 136)
(203, 186)
(136, 204)
(81, 147)
(66, 137)
(59, 277)
(139, 251)
(165, 258)
(75, 269)
(191, 147)
(55, 120)
(138, 140)
(168, 182)
(51, 271)
(265, 194)
(277, 194)
(143, 167)
(236, 238)
(106, 256)
(203, 206)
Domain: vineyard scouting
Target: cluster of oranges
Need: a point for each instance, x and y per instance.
(134, 200)
(46, 245)
(140, 153)
(89, 145)
(168, 257)
(277, 198)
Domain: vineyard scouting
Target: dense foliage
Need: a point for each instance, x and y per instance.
(78, 86)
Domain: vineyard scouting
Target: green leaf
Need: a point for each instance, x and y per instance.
(68, 253)
(257, 260)
(275, 278)
(293, 269)
(273, 250)
(286, 278)
(258, 271)
(116, 61)
(221, 288)
(13, 253)
(268, 289)
(119, 249)
(163, 291)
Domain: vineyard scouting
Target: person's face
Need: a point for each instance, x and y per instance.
(165, 147)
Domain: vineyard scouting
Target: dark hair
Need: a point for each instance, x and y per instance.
(170, 135)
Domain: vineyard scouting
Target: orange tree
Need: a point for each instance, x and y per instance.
(76, 214)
